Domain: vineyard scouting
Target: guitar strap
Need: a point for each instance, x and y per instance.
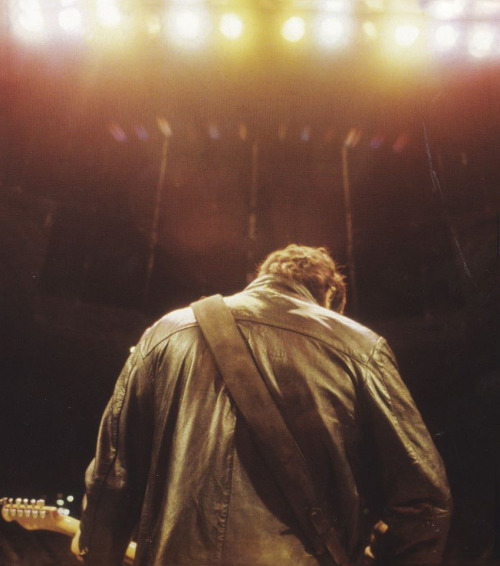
(274, 439)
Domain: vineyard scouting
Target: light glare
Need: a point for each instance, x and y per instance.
(187, 25)
(108, 14)
(332, 31)
(335, 6)
(27, 19)
(406, 35)
(481, 41)
(293, 29)
(447, 9)
(231, 26)
(71, 21)
(446, 37)
(370, 30)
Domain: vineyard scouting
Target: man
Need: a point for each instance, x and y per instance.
(176, 460)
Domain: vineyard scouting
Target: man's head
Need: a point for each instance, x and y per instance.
(313, 268)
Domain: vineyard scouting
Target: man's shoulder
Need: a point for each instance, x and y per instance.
(308, 319)
(168, 325)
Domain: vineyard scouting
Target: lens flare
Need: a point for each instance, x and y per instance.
(406, 35)
(482, 41)
(27, 20)
(231, 26)
(446, 37)
(108, 14)
(71, 21)
(293, 29)
(187, 27)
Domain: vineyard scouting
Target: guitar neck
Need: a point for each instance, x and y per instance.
(66, 525)
(36, 516)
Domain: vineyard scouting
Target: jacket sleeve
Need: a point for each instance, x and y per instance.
(115, 479)
(416, 494)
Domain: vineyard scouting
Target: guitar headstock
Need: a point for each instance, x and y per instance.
(32, 514)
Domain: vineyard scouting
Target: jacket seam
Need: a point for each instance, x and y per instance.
(282, 327)
(225, 517)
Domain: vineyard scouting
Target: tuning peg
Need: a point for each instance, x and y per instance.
(18, 501)
(35, 513)
(40, 502)
(33, 502)
(25, 501)
(11, 501)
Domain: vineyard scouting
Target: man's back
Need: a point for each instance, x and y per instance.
(175, 453)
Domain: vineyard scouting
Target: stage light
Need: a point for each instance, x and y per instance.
(27, 20)
(399, 145)
(293, 29)
(447, 9)
(339, 6)
(187, 27)
(446, 37)
(481, 41)
(71, 21)
(117, 132)
(141, 132)
(164, 126)
(406, 35)
(370, 30)
(243, 132)
(153, 25)
(108, 14)
(305, 134)
(332, 31)
(231, 26)
(213, 131)
(376, 142)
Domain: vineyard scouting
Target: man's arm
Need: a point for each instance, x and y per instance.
(416, 494)
(115, 480)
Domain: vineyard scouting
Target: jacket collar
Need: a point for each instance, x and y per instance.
(283, 285)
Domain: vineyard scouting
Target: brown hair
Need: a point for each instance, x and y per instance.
(312, 267)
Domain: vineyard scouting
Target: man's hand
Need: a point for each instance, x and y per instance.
(370, 554)
(75, 546)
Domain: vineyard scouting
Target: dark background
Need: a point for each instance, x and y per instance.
(80, 152)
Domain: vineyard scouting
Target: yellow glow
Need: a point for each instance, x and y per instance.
(406, 35)
(231, 26)
(153, 25)
(293, 29)
(370, 30)
(333, 31)
(186, 26)
(341, 6)
(401, 41)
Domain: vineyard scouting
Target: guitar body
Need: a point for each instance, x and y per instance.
(35, 515)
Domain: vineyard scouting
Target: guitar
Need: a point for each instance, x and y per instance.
(35, 515)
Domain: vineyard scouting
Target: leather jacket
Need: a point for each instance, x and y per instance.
(177, 468)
